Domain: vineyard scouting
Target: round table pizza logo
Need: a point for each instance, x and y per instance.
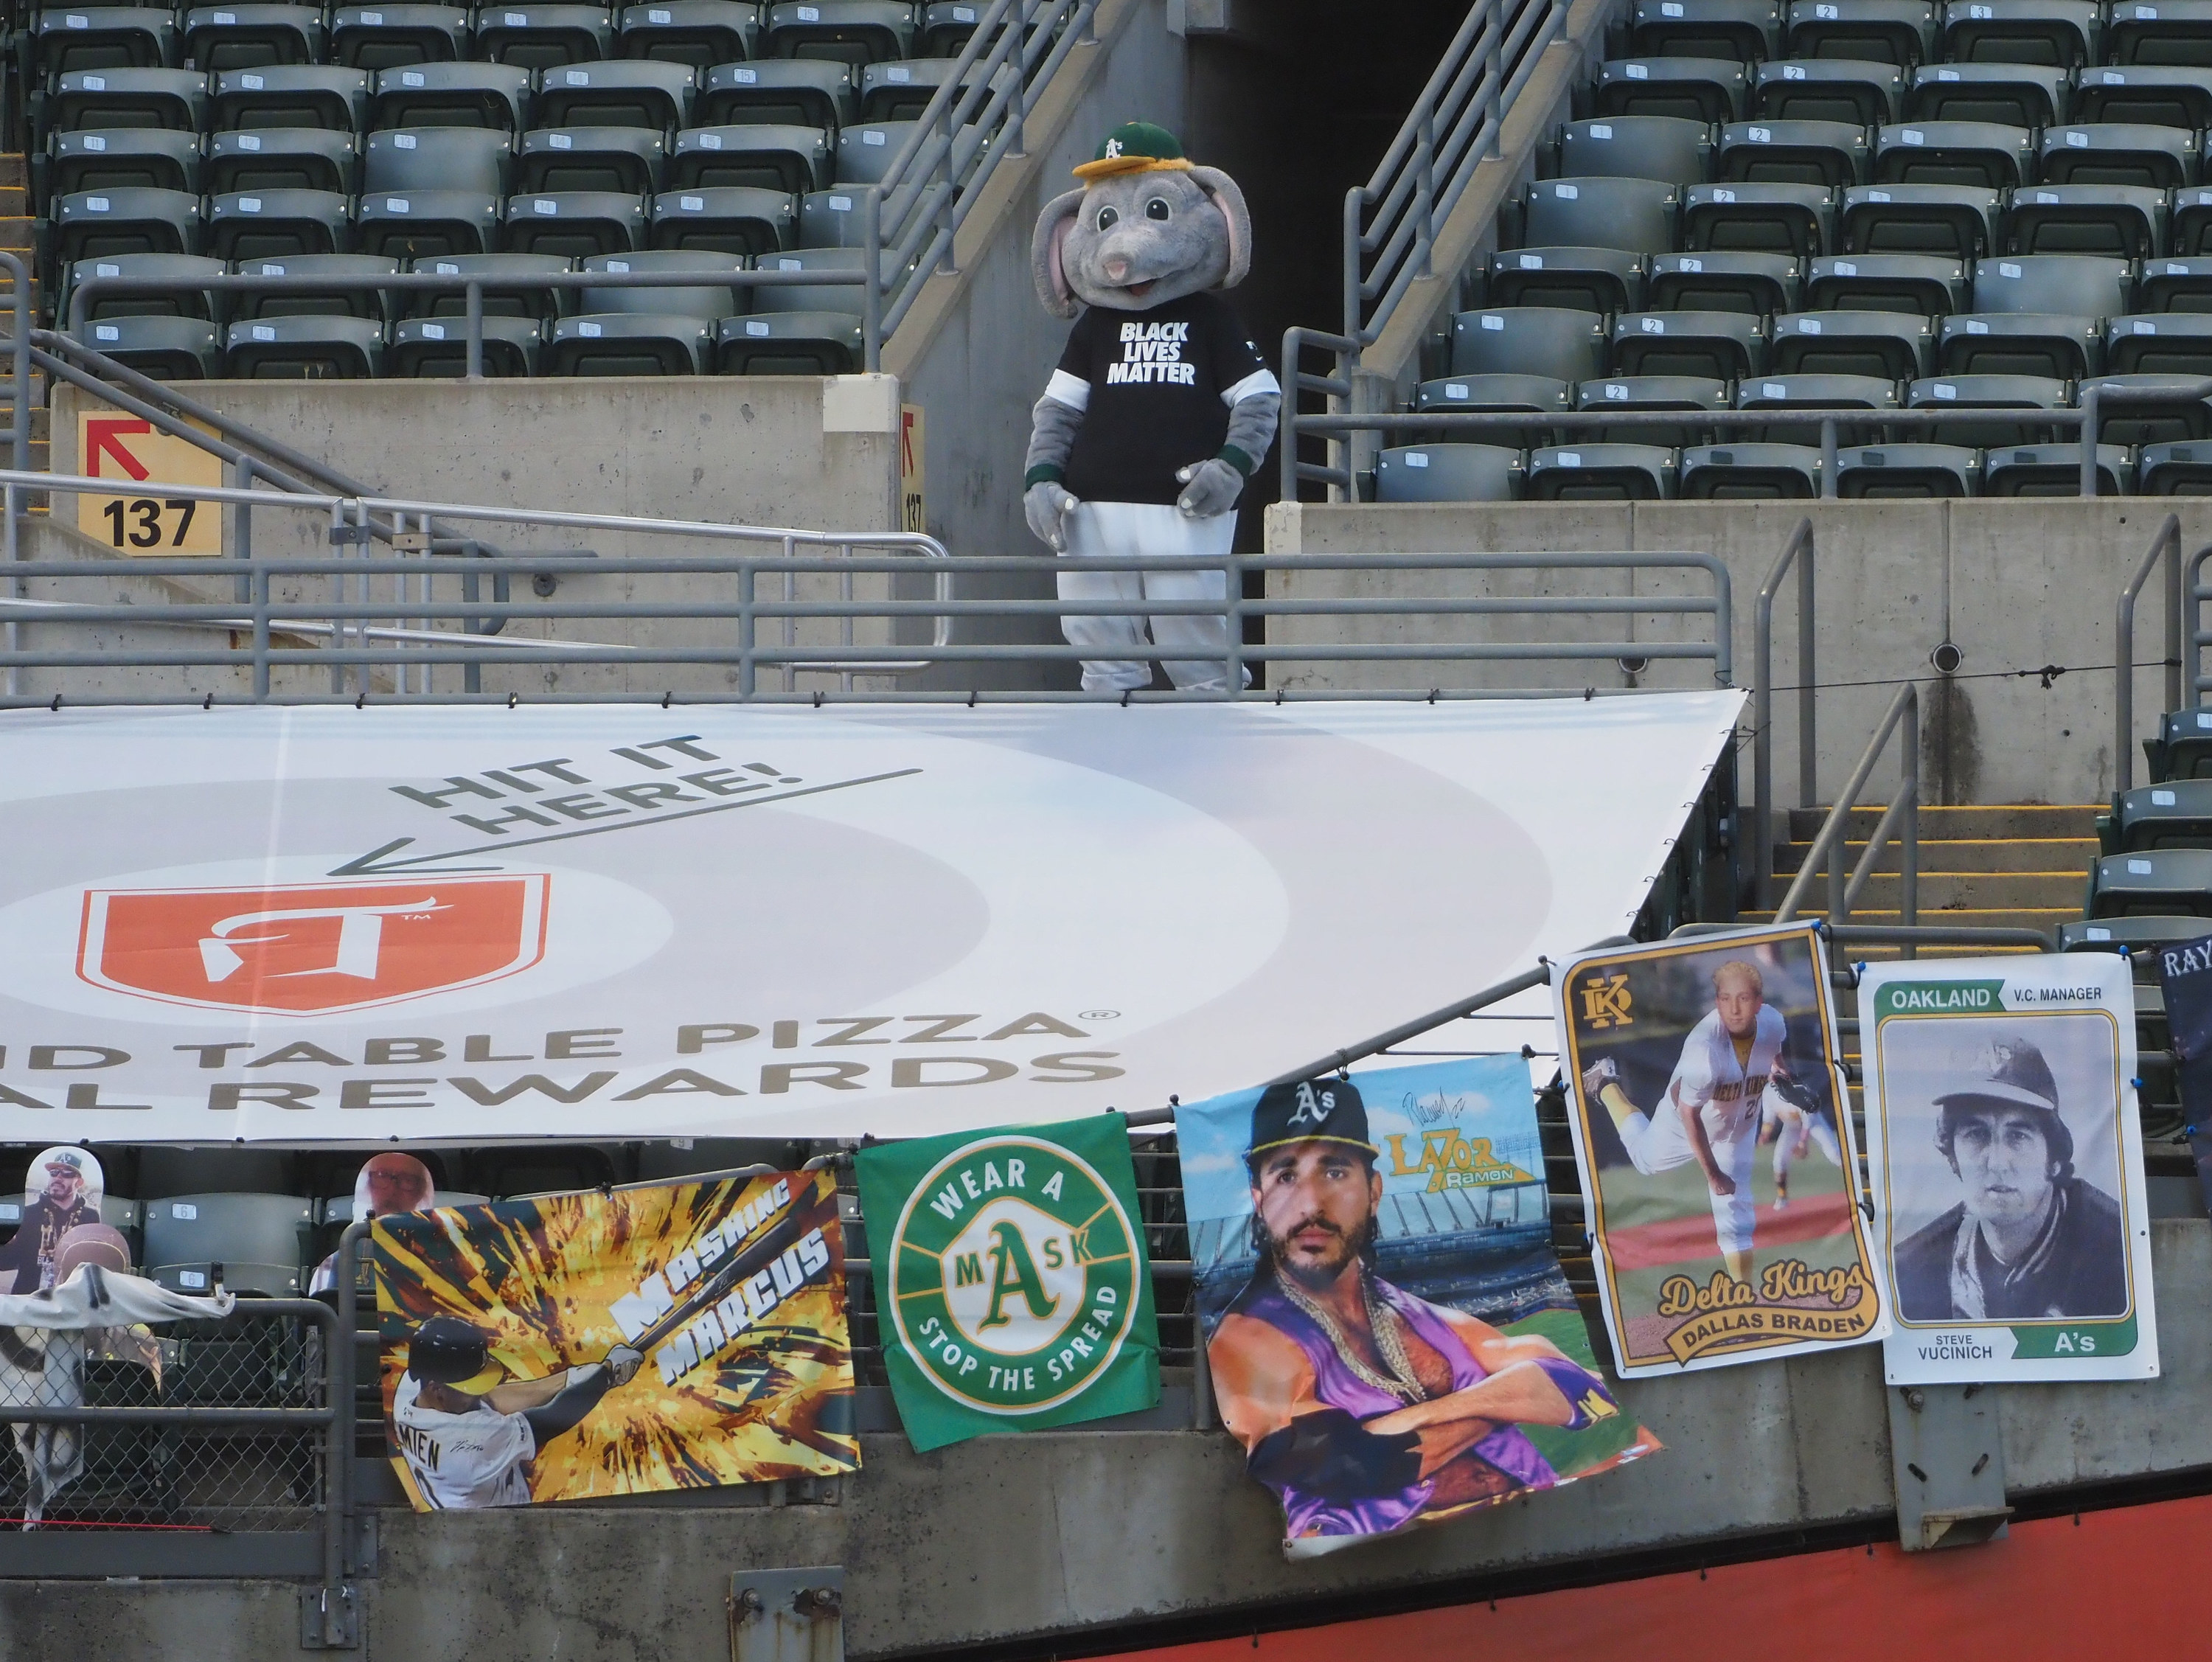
(1013, 1275)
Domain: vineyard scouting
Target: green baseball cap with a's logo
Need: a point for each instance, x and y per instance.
(1135, 146)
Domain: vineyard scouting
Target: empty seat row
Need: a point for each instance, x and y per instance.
(700, 32)
(628, 342)
(1759, 470)
(619, 92)
(1905, 32)
(1867, 94)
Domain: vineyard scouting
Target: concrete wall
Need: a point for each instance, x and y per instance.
(2016, 584)
(1030, 1535)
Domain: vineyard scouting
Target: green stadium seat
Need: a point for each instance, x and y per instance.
(2161, 882)
(789, 344)
(1580, 279)
(2161, 343)
(815, 297)
(2141, 936)
(291, 95)
(711, 302)
(1797, 220)
(1535, 395)
(768, 155)
(414, 225)
(1646, 395)
(729, 219)
(283, 159)
(270, 224)
(1594, 473)
(2055, 470)
(1664, 147)
(1447, 473)
(117, 158)
(627, 344)
(2053, 282)
(2165, 408)
(2159, 32)
(183, 300)
(1749, 473)
(367, 300)
(1636, 214)
(2183, 749)
(1955, 221)
(1846, 89)
(2191, 229)
(2127, 221)
(1984, 153)
(2175, 285)
(2061, 345)
(2115, 153)
(901, 92)
(512, 294)
(1749, 31)
(2182, 467)
(378, 37)
(947, 28)
(862, 155)
(1817, 391)
(435, 93)
(165, 349)
(2011, 94)
(1931, 284)
(137, 220)
(1908, 471)
(260, 1242)
(244, 37)
(699, 32)
(1776, 152)
(1712, 345)
(475, 159)
(102, 38)
(1708, 89)
(854, 31)
(1719, 281)
(1889, 346)
(633, 160)
(1528, 340)
(574, 224)
(831, 219)
(802, 93)
(439, 347)
(1900, 32)
(86, 99)
(1991, 392)
(2164, 95)
(313, 348)
(2066, 33)
(538, 37)
(623, 92)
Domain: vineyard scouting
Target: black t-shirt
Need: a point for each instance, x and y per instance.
(1156, 380)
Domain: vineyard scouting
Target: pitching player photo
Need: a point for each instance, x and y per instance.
(468, 1432)
(1682, 1060)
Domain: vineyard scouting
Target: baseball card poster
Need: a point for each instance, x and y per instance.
(2007, 1158)
(1721, 1180)
(1013, 1287)
(1389, 1334)
(621, 1342)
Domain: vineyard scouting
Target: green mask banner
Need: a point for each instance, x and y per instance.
(1013, 1291)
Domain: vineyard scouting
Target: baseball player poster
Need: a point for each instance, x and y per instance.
(2008, 1156)
(617, 1343)
(1013, 1287)
(1721, 1181)
(1389, 1331)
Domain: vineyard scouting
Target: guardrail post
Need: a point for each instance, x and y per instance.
(947, 262)
(475, 329)
(1233, 615)
(1828, 458)
(747, 624)
(2089, 426)
(2167, 547)
(1425, 189)
(871, 262)
(1493, 86)
(241, 540)
(1908, 792)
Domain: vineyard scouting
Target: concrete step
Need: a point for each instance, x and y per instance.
(1976, 822)
(15, 199)
(1975, 891)
(15, 170)
(1985, 854)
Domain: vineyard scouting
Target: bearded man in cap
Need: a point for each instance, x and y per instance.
(2030, 1240)
(71, 1185)
(1362, 1406)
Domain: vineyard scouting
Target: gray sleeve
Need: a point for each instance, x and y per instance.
(1252, 429)
(1053, 427)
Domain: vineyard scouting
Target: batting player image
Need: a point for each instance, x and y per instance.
(468, 1438)
(1710, 1110)
(1796, 1121)
(1362, 1406)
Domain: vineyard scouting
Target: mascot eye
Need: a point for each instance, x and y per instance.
(1157, 207)
(1108, 218)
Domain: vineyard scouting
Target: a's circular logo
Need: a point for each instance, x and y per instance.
(1013, 1275)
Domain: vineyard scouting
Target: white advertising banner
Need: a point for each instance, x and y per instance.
(325, 923)
(2007, 1156)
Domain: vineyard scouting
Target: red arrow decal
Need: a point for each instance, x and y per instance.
(104, 435)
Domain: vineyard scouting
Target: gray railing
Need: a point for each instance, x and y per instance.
(1900, 819)
(2165, 552)
(1798, 551)
(386, 615)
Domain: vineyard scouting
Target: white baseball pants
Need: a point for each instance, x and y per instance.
(1659, 1143)
(1125, 528)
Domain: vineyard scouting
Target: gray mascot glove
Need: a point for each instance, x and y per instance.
(1046, 505)
(1211, 487)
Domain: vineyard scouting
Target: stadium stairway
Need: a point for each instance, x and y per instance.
(19, 235)
(2015, 866)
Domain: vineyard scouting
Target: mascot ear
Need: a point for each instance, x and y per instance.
(1045, 268)
(1222, 191)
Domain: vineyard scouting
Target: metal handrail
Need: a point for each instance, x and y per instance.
(1901, 818)
(1799, 551)
(2095, 395)
(2165, 547)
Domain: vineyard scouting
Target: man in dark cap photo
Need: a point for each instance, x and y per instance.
(69, 1186)
(1362, 1406)
(2030, 1240)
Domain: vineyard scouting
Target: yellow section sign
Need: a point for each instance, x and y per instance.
(144, 519)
